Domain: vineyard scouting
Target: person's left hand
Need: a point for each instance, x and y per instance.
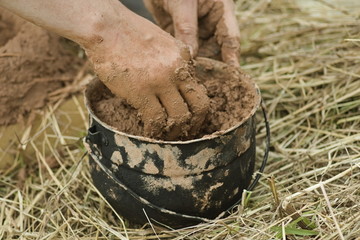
(209, 27)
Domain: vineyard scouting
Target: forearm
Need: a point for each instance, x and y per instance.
(82, 21)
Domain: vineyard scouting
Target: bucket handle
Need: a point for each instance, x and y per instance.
(94, 136)
(264, 161)
(96, 158)
(267, 149)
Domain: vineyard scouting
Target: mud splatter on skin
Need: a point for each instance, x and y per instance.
(231, 94)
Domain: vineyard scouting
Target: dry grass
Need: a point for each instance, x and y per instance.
(308, 69)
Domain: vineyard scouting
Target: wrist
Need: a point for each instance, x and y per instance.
(104, 28)
(128, 37)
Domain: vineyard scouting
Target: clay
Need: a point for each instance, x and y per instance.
(33, 63)
(231, 93)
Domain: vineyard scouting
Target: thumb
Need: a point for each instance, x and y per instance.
(185, 19)
(228, 34)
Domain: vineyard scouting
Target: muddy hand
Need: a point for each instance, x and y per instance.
(153, 71)
(209, 27)
(133, 57)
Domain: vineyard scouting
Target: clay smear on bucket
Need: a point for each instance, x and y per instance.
(232, 97)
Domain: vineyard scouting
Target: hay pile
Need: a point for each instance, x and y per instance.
(308, 68)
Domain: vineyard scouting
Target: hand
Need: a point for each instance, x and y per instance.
(209, 27)
(135, 59)
(153, 71)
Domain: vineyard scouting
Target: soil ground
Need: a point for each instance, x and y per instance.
(34, 66)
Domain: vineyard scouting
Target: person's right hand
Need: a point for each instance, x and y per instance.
(153, 71)
(135, 59)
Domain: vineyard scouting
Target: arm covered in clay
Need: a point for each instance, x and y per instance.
(134, 58)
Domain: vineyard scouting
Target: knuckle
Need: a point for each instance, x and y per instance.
(153, 126)
(155, 116)
(179, 120)
(203, 105)
(218, 5)
(202, 108)
(185, 28)
(231, 43)
(161, 118)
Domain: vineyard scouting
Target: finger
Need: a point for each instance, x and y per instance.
(160, 15)
(204, 7)
(185, 20)
(152, 114)
(210, 13)
(228, 35)
(230, 51)
(178, 114)
(198, 102)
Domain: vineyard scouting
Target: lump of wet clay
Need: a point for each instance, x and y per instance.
(232, 98)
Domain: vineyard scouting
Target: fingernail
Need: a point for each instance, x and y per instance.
(185, 53)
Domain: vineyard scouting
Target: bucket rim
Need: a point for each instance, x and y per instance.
(211, 136)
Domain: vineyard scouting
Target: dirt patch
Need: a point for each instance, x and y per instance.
(33, 64)
(232, 97)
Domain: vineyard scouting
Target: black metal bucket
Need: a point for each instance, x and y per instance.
(177, 183)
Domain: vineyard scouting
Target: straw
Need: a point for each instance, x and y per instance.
(308, 70)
